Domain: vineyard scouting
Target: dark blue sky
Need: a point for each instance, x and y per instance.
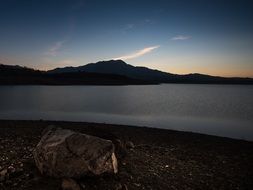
(213, 37)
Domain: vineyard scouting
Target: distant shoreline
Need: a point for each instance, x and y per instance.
(113, 84)
(113, 72)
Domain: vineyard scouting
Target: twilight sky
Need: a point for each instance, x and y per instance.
(178, 36)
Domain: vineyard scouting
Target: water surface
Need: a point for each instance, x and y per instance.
(224, 110)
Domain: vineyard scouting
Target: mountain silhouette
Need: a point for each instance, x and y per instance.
(119, 67)
(113, 72)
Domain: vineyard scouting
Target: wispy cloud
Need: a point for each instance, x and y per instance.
(127, 28)
(138, 53)
(181, 37)
(54, 50)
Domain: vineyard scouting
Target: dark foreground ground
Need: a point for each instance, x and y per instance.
(161, 159)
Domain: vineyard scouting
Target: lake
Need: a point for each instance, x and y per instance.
(223, 110)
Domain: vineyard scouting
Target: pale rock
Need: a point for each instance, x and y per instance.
(65, 153)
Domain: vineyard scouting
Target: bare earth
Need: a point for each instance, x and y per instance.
(161, 159)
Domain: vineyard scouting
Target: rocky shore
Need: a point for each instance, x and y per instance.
(149, 159)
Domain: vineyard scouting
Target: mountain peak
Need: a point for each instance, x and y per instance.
(112, 61)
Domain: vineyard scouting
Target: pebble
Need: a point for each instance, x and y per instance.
(3, 175)
(11, 169)
(125, 187)
(130, 144)
(137, 184)
(118, 186)
(70, 184)
(82, 185)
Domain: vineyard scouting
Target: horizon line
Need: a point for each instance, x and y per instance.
(45, 70)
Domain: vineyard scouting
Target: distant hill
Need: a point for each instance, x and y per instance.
(119, 67)
(113, 72)
(16, 75)
(16, 70)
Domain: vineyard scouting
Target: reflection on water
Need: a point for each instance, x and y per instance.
(225, 110)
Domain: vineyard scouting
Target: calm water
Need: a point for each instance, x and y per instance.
(224, 110)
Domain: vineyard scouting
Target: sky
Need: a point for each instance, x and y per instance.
(178, 36)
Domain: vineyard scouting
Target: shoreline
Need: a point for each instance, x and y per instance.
(144, 127)
(172, 159)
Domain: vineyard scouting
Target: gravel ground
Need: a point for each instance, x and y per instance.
(160, 159)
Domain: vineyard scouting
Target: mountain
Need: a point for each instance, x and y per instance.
(16, 70)
(113, 72)
(119, 67)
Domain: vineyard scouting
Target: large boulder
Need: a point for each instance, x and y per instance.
(65, 153)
